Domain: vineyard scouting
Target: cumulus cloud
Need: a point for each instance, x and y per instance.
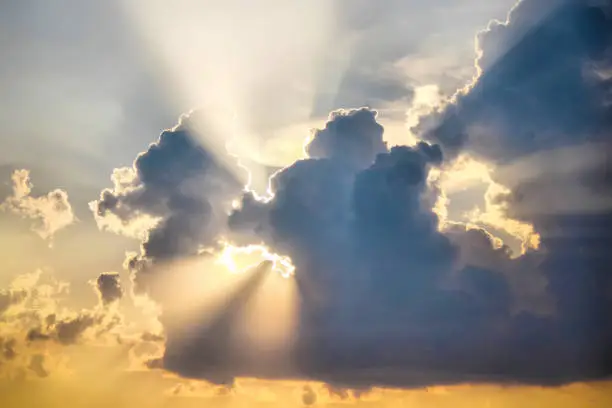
(42, 337)
(525, 279)
(177, 194)
(35, 328)
(69, 329)
(464, 179)
(386, 296)
(542, 83)
(539, 111)
(373, 268)
(350, 136)
(49, 213)
(109, 288)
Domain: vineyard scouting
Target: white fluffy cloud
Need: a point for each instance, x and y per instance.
(49, 213)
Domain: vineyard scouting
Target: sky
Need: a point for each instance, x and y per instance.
(325, 203)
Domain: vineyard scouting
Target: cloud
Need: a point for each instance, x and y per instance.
(34, 323)
(109, 288)
(376, 274)
(177, 194)
(350, 136)
(471, 185)
(525, 279)
(543, 83)
(69, 330)
(373, 269)
(50, 213)
(539, 113)
(386, 295)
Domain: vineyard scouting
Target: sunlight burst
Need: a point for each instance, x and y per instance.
(237, 259)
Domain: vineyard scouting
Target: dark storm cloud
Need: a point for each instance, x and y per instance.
(577, 267)
(181, 184)
(385, 298)
(545, 94)
(109, 287)
(544, 84)
(542, 108)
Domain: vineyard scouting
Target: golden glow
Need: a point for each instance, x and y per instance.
(495, 216)
(426, 99)
(468, 172)
(193, 291)
(91, 388)
(82, 374)
(440, 206)
(269, 321)
(237, 259)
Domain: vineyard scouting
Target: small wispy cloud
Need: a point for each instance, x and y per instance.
(49, 213)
